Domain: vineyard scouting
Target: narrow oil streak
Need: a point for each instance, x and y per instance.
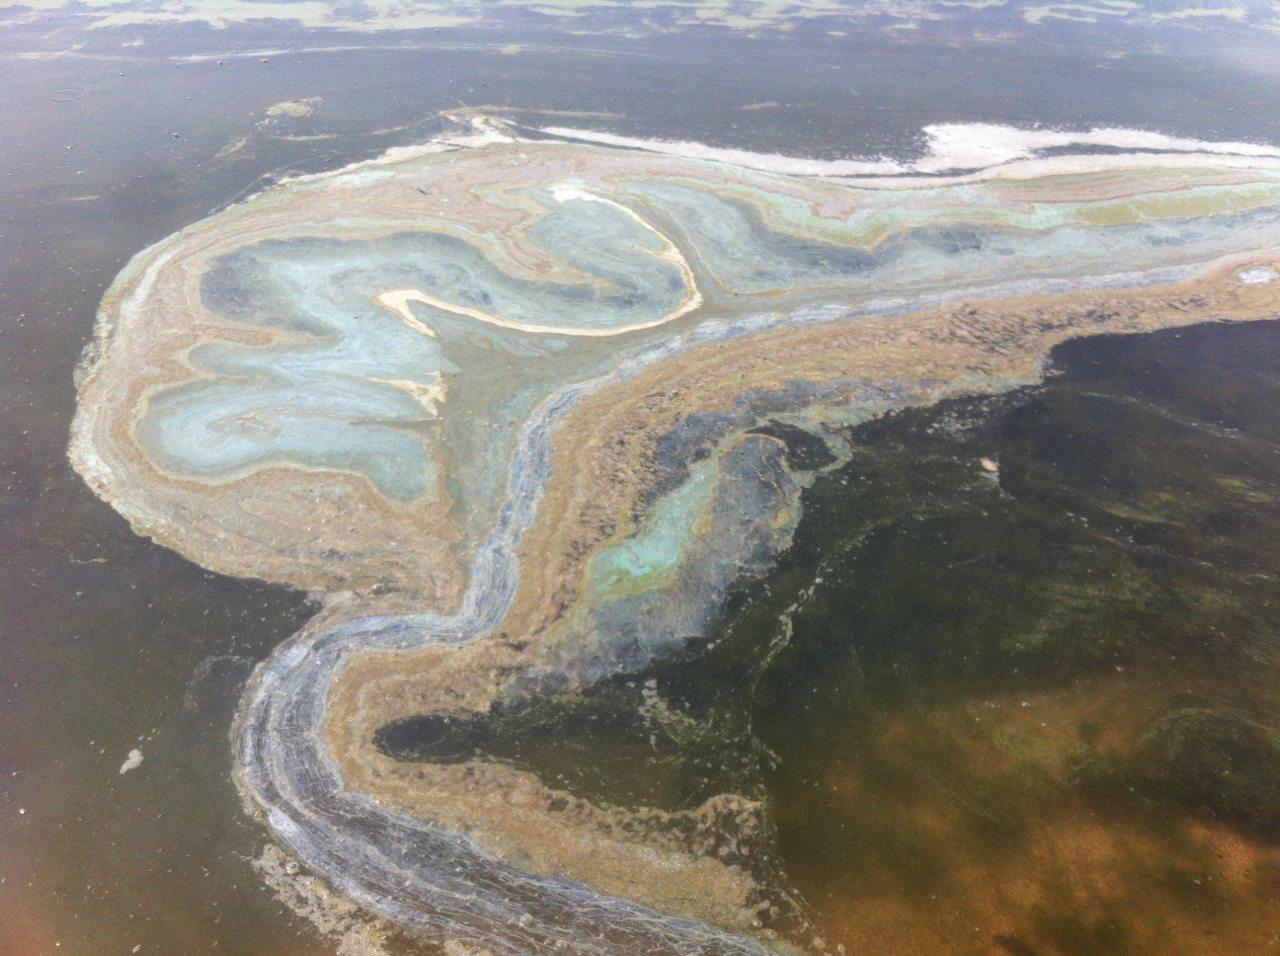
(415, 872)
(397, 300)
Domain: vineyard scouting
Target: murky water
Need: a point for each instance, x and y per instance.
(1117, 580)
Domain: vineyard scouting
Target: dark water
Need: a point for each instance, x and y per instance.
(955, 680)
(108, 643)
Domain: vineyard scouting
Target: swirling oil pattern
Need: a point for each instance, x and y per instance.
(501, 399)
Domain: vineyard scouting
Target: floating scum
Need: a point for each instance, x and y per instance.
(499, 404)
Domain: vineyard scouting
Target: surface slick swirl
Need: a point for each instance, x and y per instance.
(501, 399)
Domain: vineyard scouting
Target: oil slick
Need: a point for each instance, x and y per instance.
(505, 404)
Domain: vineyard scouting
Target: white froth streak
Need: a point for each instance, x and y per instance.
(954, 153)
(485, 131)
(954, 147)
(768, 162)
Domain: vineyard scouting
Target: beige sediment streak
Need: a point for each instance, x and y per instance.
(429, 395)
(397, 300)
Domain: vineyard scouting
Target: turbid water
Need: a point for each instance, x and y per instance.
(136, 649)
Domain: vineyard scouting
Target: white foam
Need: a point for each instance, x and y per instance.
(396, 154)
(1258, 275)
(132, 761)
(484, 131)
(954, 152)
(954, 146)
(770, 162)
(949, 147)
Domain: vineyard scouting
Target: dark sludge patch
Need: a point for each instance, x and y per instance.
(623, 741)
(437, 738)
